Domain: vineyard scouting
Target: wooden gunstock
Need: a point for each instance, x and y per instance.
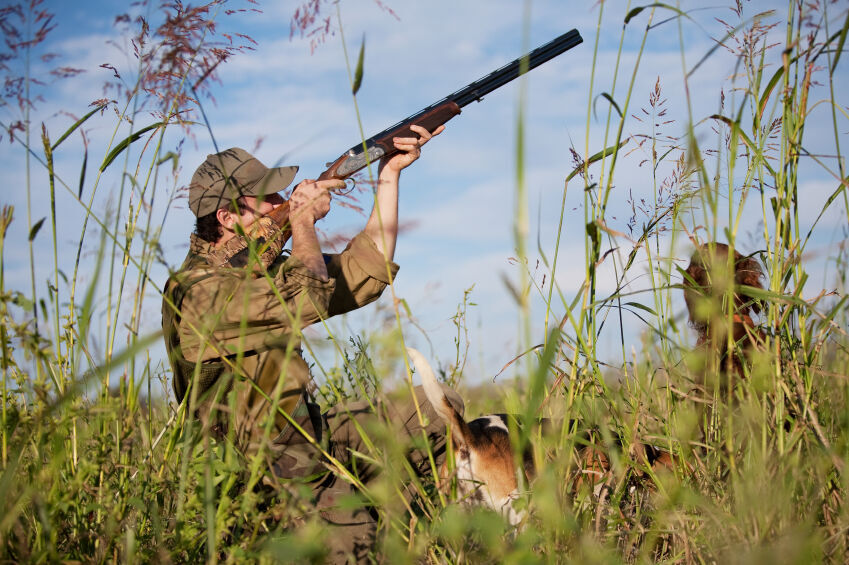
(280, 216)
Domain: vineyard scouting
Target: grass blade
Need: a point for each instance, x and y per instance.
(36, 228)
(126, 142)
(635, 11)
(839, 49)
(358, 72)
(596, 157)
(77, 124)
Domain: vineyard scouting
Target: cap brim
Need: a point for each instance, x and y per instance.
(273, 181)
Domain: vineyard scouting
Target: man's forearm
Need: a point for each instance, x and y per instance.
(382, 225)
(305, 247)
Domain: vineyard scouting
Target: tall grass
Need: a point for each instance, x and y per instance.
(99, 463)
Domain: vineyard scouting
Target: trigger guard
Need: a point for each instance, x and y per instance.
(346, 191)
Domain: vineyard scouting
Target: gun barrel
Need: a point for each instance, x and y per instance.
(496, 79)
(514, 69)
(376, 146)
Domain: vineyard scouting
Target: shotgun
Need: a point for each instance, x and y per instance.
(359, 156)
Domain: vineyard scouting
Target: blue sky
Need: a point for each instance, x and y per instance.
(458, 201)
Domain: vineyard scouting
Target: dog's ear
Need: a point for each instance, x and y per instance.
(433, 390)
(748, 271)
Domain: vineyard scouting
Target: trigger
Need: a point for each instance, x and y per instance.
(346, 191)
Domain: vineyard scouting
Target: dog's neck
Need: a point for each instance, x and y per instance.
(741, 325)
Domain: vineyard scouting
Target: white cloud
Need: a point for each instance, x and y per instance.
(462, 192)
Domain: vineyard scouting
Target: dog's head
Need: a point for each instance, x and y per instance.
(708, 277)
(483, 455)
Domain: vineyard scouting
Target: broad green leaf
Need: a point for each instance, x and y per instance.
(639, 9)
(82, 174)
(768, 90)
(839, 50)
(35, 228)
(358, 73)
(77, 124)
(642, 307)
(597, 157)
(126, 142)
(610, 99)
(170, 156)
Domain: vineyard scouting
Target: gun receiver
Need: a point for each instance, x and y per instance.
(430, 118)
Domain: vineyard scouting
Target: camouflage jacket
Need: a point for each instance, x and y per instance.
(247, 327)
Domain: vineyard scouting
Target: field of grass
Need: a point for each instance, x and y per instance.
(99, 463)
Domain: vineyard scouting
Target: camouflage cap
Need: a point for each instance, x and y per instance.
(232, 173)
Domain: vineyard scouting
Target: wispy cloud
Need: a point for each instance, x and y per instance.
(461, 194)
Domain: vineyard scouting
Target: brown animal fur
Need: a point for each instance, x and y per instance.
(484, 456)
(705, 287)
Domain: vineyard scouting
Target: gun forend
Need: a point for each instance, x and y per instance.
(357, 157)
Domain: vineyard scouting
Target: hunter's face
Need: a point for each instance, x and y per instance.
(255, 207)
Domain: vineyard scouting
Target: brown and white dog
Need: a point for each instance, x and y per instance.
(483, 454)
(485, 468)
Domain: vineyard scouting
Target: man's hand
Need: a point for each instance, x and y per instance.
(409, 149)
(310, 201)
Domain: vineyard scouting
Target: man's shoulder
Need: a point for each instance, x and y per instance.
(194, 270)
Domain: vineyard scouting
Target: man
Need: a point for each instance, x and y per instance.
(233, 329)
